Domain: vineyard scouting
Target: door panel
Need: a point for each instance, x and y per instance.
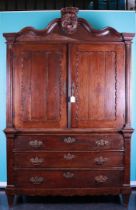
(98, 77)
(40, 99)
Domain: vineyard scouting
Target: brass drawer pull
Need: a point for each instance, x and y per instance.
(36, 160)
(36, 179)
(69, 140)
(102, 142)
(68, 175)
(69, 156)
(100, 160)
(35, 143)
(101, 179)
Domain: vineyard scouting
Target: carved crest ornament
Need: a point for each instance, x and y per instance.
(69, 20)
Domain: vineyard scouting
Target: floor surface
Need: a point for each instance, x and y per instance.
(74, 203)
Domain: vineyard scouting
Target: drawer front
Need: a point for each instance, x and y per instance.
(67, 143)
(68, 159)
(67, 179)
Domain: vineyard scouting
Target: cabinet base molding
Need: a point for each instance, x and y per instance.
(68, 192)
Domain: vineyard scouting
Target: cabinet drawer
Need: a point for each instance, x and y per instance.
(70, 142)
(67, 178)
(68, 159)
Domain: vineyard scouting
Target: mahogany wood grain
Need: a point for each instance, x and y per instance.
(68, 159)
(98, 74)
(70, 142)
(82, 148)
(67, 178)
(39, 86)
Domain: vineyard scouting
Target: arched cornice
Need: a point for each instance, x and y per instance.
(64, 30)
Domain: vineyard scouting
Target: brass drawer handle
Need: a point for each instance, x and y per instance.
(101, 179)
(69, 140)
(102, 142)
(100, 160)
(36, 160)
(36, 179)
(35, 143)
(69, 156)
(68, 175)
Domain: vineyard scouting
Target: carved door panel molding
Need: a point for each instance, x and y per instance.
(99, 84)
(40, 84)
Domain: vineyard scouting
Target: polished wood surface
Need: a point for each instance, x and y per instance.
(69, 159)
(68, 110)
(65, 178)
(40, 88)
(69, 142)
(99, 79)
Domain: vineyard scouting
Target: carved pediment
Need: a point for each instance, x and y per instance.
(67, 28)
(69, 20)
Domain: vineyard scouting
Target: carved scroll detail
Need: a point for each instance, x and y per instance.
(116, 83)
(22, 86)
(77, 85)
(69, 20)
(61, 79)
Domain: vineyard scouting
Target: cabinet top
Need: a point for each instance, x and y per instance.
(68, 28)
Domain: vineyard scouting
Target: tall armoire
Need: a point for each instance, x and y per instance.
(68, 110)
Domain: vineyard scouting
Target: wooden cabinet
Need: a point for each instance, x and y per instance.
(68, 110)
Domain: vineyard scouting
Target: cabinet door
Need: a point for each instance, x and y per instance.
(98, 83)
(39, 86)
